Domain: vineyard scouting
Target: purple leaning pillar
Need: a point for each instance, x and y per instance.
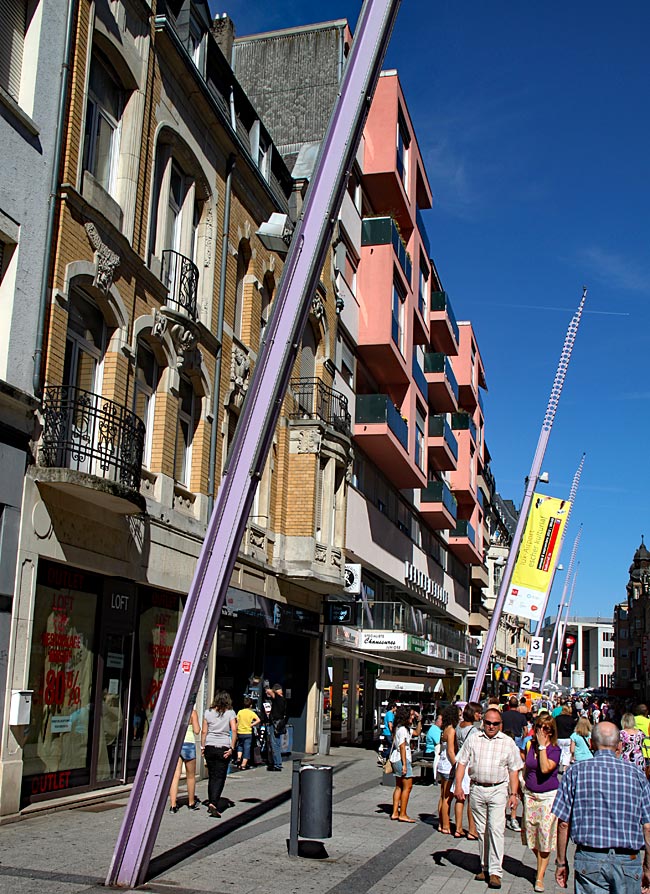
(250, 446)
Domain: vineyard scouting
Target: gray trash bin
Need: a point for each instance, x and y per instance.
(315, 801)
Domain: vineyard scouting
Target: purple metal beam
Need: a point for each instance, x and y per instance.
(251, 443)
(531, 483)
(567, 580)
(572, 498)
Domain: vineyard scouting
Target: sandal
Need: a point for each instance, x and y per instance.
(459, 834)
(445, 831)
(472, 837)
(539, 886)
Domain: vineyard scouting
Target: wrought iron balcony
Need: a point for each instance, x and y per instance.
(85, 432)
(181, 276)
(313, 399)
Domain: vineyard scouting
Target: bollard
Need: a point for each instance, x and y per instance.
(315, 816)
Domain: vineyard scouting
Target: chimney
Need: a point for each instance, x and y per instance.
(223, 31)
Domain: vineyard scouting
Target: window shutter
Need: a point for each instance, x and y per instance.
(13, 19)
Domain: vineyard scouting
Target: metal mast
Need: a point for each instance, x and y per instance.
(531, 482)
(551, 645)
(251, 443)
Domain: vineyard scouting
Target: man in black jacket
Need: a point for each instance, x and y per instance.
(276, 727)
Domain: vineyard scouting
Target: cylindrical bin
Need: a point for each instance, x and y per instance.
(315, 802)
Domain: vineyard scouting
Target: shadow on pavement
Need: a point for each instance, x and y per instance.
(470, 861)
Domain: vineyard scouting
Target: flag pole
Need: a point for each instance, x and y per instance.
(531, 482)
(565, 624)
(572, 497)
(551, 645)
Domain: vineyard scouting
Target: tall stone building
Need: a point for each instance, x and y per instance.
(159, 296)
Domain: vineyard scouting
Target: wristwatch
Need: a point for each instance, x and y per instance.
(541, 747)
(560, 865)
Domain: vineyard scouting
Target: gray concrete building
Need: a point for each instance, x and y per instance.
(32, 38)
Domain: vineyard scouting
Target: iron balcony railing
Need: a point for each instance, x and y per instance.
(464, 529)
(373, 408)
(463, 422)
(440, 301)
(383, 231)
(440, 428)
(86, 432)
(439, 363)
(408, 619)
(313, 399)
(181, 276)
(438, 492)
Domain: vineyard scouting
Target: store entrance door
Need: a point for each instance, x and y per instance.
(113, 680)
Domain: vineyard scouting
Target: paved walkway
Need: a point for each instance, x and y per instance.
(69, 851)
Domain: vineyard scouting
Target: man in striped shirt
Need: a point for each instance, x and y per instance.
(492, 760)
(604, 805)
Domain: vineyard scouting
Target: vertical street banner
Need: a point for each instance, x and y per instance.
(538, 556)
(567, 652)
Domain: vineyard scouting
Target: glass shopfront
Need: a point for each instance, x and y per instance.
(100, 648)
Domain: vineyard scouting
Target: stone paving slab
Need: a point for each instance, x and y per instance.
(68, 852)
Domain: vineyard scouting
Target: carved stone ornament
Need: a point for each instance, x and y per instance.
(309, 441)
(106, 260)
(317, 307)
(336, 559)
(256, 537)
(207, 238)
(320, 554)
(184, 340)
(159, 326)
(349, 471)
(240, 373)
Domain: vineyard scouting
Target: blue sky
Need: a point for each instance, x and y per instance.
(533, 124)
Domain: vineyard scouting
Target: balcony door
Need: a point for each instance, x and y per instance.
(84, 350)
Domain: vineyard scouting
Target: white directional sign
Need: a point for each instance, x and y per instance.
(536, 651)
(527, 681)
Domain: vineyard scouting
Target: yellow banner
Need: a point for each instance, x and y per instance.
(538, 555)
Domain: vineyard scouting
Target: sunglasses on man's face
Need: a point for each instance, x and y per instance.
(492, 722)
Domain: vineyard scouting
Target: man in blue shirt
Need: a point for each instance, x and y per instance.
(604, 805)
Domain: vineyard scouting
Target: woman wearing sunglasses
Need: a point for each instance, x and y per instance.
(541, 783)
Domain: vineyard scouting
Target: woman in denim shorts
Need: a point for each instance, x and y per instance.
(400, 758)
(187, 757)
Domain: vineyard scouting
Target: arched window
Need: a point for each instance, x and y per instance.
(85, 343)
(308, 353)
(243, 262)
(189, 411)
(104, 109)
(147, 378)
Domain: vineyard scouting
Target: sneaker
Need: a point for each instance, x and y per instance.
(174, 809)
(513, 825)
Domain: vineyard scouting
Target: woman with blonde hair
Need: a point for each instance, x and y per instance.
(632, 740)
(581, 741)
(541, 781)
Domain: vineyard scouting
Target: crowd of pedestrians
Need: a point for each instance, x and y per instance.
(569, 768)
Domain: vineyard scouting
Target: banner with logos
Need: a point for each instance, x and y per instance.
(538, 556)
(567, 652)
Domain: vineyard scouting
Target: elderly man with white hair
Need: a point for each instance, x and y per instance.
(604, 806)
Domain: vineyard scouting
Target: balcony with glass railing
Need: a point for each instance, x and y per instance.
(438, 506)
(384, 231)
(442, 444)
(443, 387)
(462, 542)
(445, 334)
(383, 434)
(464, 422)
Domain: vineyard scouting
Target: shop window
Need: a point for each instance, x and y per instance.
(103, 115)
(147, 378)
(12, 41)
(189, 408)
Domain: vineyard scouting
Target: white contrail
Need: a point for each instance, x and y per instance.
(609, 313)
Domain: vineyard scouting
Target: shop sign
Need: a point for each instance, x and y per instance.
(424, 585)
(435, 650)
(417, 644)
(384, 640)
(352, 579)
